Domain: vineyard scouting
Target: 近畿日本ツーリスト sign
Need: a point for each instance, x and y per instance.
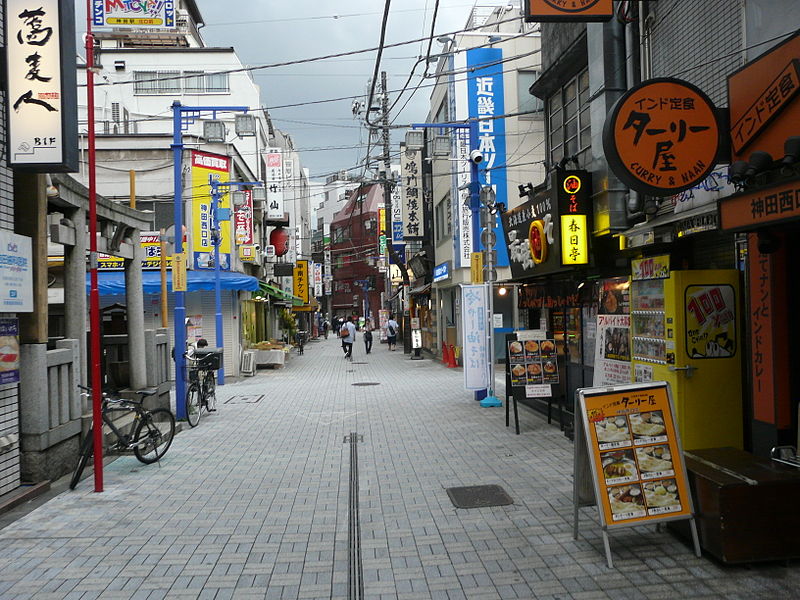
(662, 137)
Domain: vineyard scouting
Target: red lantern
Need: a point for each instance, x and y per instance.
(279, 238)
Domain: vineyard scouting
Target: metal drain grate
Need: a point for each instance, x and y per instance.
(479, 496)
(359, 363)
(363, 383)
(251, 399)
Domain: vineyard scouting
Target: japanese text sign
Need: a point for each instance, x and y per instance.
(41, 83)
(635, 454)
(544, 11)
(301, 280)
(662, 137)
(574, 206)
(16, 273)
(652, 267)
(275, 184)
(475, 354)
(204, 167)
(150, 241)
(411, 194)
(139, 14)
(710, 321)
(748, 210)
(9, 351)
(764, 101)
(243, 220)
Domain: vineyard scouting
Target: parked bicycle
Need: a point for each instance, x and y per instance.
(202, 390)
(300, 338)
(151, 431)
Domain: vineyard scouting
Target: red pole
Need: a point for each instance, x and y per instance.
(94, 294)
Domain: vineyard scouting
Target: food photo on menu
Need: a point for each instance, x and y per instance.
(518, 374)
(626, 502)
(619, 467)
(532, 349)
(547, 348)
(515, 351)
(648, 427)
(662, 496)
(655, 461)
(550, 368)
(534, 373)
(612, 432)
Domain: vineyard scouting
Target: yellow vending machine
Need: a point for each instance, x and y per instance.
(685, 330)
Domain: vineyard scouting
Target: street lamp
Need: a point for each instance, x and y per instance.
(182, 117)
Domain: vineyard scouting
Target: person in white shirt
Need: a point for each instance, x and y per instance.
(348, 335)
(391, 333)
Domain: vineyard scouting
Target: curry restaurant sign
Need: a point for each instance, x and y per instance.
(40, 64)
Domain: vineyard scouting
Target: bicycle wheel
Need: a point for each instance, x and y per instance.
(83, 458)
(193, 404)
(154, 435)
(211, 392)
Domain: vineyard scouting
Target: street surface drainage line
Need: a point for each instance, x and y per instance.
(355, 575)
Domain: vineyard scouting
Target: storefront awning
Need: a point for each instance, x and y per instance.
(279, 294)
(112, 283)
(696, 220)
(423, 289)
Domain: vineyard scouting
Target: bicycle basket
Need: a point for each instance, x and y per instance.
(208, 359)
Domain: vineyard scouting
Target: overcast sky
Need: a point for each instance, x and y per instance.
(269, 31)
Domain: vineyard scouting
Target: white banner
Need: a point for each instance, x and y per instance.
(474, 355)
(317, 279)
(275, 184)
(16, 273)
(411, 193)
(462, 174)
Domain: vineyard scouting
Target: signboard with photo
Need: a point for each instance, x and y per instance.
(612, 356)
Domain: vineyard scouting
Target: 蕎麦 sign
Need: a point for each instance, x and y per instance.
(128, 14)
(662, 137)
(42, 86)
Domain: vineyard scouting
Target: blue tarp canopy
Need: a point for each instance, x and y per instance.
(112, 283)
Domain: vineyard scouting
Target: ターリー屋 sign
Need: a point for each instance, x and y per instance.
(544, 11)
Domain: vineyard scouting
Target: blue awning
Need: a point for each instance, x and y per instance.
(112, 283)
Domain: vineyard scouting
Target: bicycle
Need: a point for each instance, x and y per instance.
(202, 390)
(151, 437)
(300, 339)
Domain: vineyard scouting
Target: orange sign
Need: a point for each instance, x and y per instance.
(763, 100)
(749, 210)
(662, 137)
(543, 11)
(635, 454)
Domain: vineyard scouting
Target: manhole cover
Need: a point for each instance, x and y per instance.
(245, 399)
(478, 496)
(363, 383)
(359, 363)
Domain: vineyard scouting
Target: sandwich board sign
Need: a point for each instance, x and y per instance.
(627, 441)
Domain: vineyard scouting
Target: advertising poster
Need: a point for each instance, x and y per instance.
(635, 454)
(16, 273)
(205, 166)
(710, 321)
(151, 255)
(533, 362)
(612, 357)
(194, 327)
(9, 351)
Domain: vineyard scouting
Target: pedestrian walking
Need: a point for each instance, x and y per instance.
(391, 333)
(368, 336)
(325, 327)
(348, 334)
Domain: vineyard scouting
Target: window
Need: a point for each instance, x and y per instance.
(173, 82)
(194, 82)
(443, 227)
(144, 82)
(569, 122)
(526, 102)
(216, 82)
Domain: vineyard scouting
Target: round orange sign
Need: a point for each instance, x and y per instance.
(662, 137)
(575, 6)
(537, 239)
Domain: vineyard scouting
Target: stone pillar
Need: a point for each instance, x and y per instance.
(75, 309)
(134, 297)
(30, 219)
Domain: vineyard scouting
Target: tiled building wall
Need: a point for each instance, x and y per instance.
(9, 398)
(698, 42)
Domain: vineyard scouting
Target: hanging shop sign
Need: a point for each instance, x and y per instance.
(749, 210)
(300, 279)
(275, 184)
(124, 14)
(553, 295)
(42, 85)
(317, 279)
(573, 190)
(764, 101)
(243, 219)
(652, 267)
(411, 193)
(458, 110)
(397, 219)
(441, 272)
(247, 253)
(16, 273)
(662, 137)
(547, 11)
(485, 100)
(204, 167)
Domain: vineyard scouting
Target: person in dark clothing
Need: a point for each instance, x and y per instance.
(368, 336)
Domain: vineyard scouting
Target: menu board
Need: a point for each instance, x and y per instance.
(532, 362)
(635, 453)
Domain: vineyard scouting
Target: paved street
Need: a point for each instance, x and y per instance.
(253, 503)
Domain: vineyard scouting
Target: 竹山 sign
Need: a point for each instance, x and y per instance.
(662, 137)
(544, 11)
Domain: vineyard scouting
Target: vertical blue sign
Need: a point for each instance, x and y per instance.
(486, 99)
